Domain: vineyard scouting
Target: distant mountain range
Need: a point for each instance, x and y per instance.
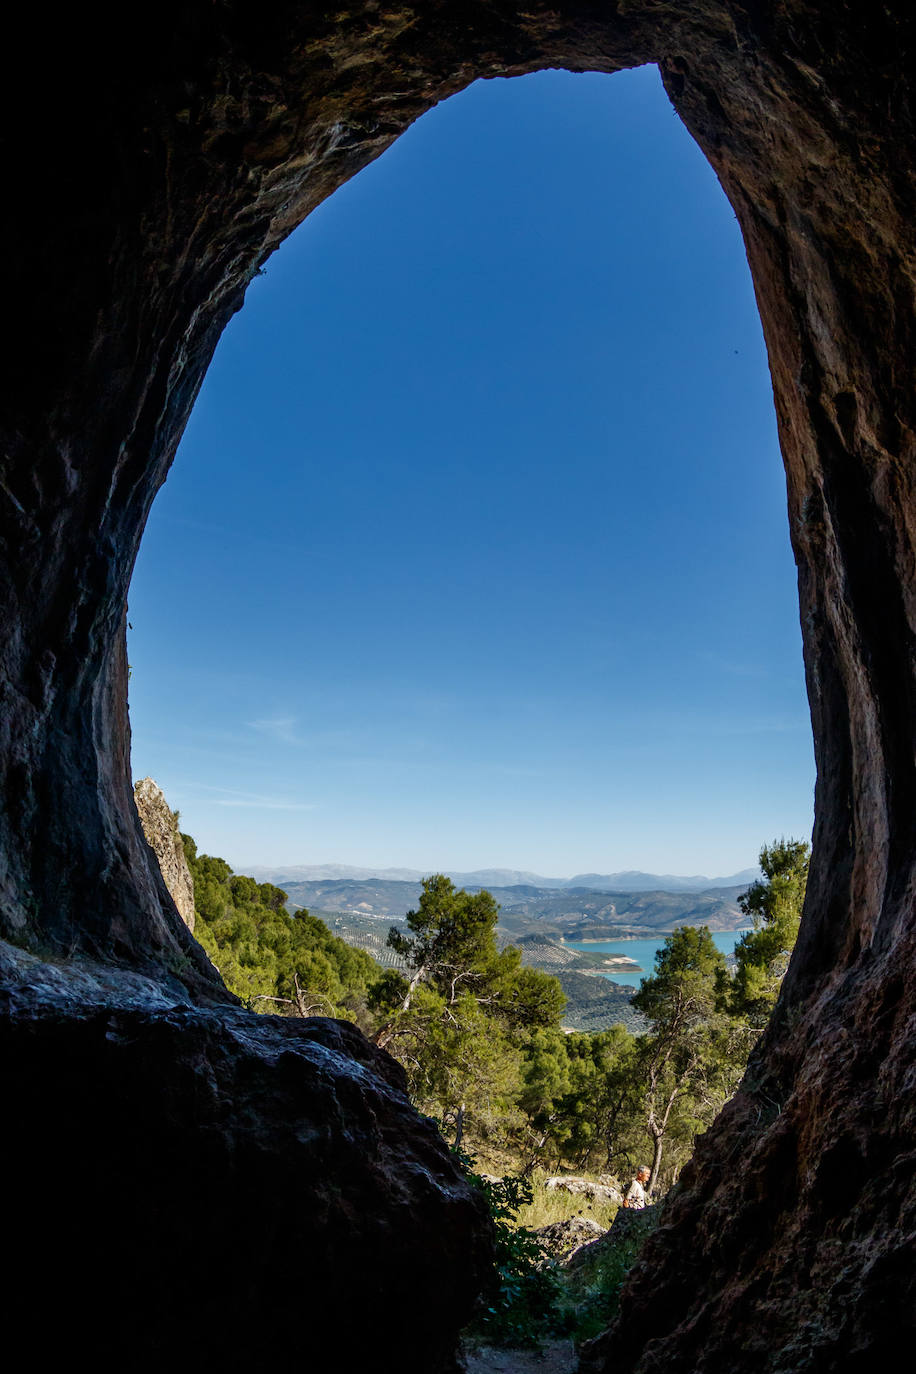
(629, 881)
(574, 913)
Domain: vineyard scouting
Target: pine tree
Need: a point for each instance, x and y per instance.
(775, 907)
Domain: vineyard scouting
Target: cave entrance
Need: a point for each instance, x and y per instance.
(483, 490)
(152, 186)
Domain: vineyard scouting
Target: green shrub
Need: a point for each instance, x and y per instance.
(594, 1286)
(524, 1303)
(532, 1296)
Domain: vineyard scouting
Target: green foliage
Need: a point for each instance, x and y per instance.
(545, 1075)
(479, 1034)
(531, 1296)
(552, 1205)
(523, 1302)
(693, 1056)
(595, 1288)
(388, 992)
(452, 934)
(458, 1060)
(774, 906)
(681, 993)
(291, 965)
(453, 949)
(459, 1025)
(581, 1098)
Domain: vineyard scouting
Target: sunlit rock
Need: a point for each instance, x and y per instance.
(160, 827)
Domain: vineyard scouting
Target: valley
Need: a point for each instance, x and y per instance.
(540, 921)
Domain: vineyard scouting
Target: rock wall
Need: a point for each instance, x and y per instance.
(151, 181)
(160, 827)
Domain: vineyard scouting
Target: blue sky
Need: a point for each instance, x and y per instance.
(475, 551)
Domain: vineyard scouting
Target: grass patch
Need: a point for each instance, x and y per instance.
(534, 1297)
(524, 1304)
(551, 1205)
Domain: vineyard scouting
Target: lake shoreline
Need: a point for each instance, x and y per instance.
(625, 939)
(629, 977)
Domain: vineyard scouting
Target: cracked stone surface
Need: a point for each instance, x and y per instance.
(160, 828)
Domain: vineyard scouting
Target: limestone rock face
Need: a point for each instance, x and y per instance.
(152, 181)
(164, 838)
(209, 1189)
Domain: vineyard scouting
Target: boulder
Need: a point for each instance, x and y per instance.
(562, 1239)
(208, 1188)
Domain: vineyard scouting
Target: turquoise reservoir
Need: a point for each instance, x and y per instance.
(644, 951)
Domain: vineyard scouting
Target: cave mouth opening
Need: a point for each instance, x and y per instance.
(506, 400)
(148, 202)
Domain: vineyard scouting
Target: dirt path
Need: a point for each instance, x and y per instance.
(556, 1357)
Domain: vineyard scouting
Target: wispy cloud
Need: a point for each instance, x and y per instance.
(230, 796)
(281, 729)
(285, 730)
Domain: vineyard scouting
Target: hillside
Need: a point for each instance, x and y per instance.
(577, 913)
(593, 1002)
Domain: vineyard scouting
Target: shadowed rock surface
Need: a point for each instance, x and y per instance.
(563, 1238)
(628, 1230)
(219, 1190)
(160, 827)
(151, 181)
(793, 1230)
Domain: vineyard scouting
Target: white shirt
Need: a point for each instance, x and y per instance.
(636, 1196)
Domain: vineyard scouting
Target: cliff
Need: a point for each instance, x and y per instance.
(160, 827)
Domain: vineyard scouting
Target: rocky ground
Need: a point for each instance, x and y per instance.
(555, 1357)
(583, 1249)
